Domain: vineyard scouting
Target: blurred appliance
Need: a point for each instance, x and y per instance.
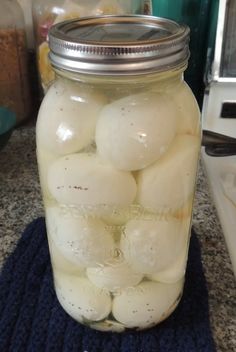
(196, 14)
(219, 115)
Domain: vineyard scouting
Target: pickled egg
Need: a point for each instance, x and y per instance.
(84, 179)
(60, 263)
(135, 131)
(67, 118)
(188, 110)
(147, 304)
(151, 246)
(169, 183)
(174, 272)
(45, 159)
(85, 242)
(120, 215)
(114, 276)
(81, 299)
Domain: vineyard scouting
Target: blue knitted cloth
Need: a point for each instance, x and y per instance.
(32, 320)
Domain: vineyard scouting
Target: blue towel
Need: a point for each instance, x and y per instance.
(32, 320)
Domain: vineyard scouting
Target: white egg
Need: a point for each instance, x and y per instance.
(174, 272)
(120, 215)
(151, 246)
(81, 299)
(169, 183)
(84, 179)
(45, 159)
(114, 276)
(67, 118)
(85, 242)
(135, 131)
(60, 263)
(147, 304)
(187, 106)
(116, 215)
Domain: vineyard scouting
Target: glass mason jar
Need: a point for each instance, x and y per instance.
(47, 13)
(118, 138)
(14, 77)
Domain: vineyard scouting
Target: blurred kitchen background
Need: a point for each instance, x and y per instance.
(25, 74)
(39, 15)
(211, 72)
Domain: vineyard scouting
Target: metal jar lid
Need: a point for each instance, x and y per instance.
(120, 45)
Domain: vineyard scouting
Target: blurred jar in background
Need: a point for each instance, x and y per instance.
(26, 6)
(48, 13)
(14, 77)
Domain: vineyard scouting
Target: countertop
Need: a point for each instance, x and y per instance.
(20, 203)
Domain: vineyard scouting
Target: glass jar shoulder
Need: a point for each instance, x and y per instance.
(186, 107)
(64, 111)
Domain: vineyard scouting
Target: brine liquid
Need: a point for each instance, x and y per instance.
(118, 175)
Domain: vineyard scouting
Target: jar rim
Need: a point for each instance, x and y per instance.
(123, 45)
